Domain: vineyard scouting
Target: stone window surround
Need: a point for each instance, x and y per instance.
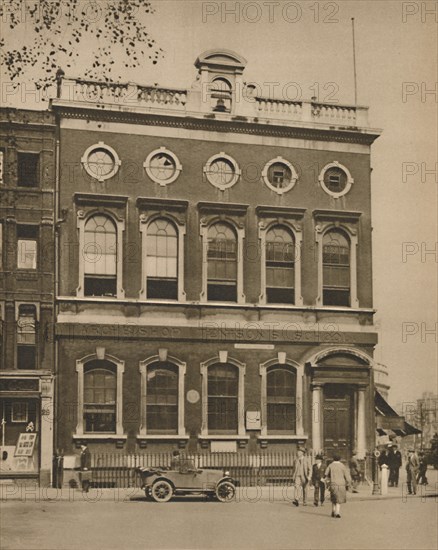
(347, 222)
(152, 154)
(350, 180)
(82, 217)
(282, 360)
(120, 369)
(223, 358)
(111, 151)
(296, 229)
(224, 156)
(181, 366)
(294, 175)
(180, 226)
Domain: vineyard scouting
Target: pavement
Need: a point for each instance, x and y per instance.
(260, 518)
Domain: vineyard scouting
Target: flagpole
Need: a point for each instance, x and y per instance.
(354, 63)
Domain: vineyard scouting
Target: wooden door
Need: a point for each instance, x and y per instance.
(338, 415)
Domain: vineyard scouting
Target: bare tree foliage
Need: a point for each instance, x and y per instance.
(62, 30)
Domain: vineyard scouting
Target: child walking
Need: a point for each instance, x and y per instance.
(339, 481)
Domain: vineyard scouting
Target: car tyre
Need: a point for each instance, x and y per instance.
(162, 491)
(225, 491)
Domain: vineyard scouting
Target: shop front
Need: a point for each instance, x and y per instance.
(26, 408)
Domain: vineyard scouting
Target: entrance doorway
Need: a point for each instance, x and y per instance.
(338, 418)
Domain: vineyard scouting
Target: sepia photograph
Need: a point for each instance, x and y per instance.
(218, 275)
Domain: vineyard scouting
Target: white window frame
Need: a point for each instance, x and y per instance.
(320, 230)
(222, 156)
(147, 166)
(294, 175)
(223, 358)
(296, 230)
(120, 369)
(240, 232)
(26, 408)
(181, 366)
(180, 231)
(283, 361)
(82, 218)
(111, 151)
(350, 180)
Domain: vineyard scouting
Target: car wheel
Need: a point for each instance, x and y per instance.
(162, 491)
(148, 493)
(225, 491)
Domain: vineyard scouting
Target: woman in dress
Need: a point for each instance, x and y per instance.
(339, 480)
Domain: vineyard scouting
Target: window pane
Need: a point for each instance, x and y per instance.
(26, 254)
(28, 169)
(223, 398)
(162, 398)
(281, 400)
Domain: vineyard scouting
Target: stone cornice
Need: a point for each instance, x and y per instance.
(236, 125)
(282, 211)
(87, 199)
(173, 205)
(337, 215)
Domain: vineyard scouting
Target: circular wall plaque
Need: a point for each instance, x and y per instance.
(192, 396)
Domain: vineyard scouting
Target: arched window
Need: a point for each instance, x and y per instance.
(223, 397)
(222, 263)
(281, 400)
(100, 256)
(221, 95)
(162, 260)
(100, 394)
(336, 269)
(162, 398)
(280, 260)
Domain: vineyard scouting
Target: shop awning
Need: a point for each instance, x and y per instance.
(388, 421)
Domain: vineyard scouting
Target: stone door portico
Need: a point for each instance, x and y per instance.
(341, 421)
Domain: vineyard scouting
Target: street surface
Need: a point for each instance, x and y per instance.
(124, 520)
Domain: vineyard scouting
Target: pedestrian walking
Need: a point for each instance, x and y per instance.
(339, 480)
(422, 470)
(354, 472)
(85, 463)
(394, 462)
(412, 466)
(318, 481)
(301, 477)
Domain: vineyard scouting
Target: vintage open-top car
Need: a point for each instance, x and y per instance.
(162, 484)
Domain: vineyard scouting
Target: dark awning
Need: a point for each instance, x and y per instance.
(388, 419)
(411, 430)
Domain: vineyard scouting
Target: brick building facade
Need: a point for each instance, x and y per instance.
(27, 170)
(215, 273)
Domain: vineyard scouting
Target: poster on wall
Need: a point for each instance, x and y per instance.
(25, 444)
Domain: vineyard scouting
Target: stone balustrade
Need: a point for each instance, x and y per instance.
(133, 96)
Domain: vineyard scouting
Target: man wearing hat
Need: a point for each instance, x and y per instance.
(394, 464)
(412, 467)
(301, 476)
(317, 481)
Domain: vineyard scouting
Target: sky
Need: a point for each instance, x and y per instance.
(310, 44)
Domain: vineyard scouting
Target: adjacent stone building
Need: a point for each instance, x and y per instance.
(215, 268)
(27, 176)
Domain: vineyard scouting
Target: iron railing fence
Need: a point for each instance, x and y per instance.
(111, 470)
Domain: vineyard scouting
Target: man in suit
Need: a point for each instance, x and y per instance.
(394, 463)
(301, 476)
(318, 471)
(412, 467)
